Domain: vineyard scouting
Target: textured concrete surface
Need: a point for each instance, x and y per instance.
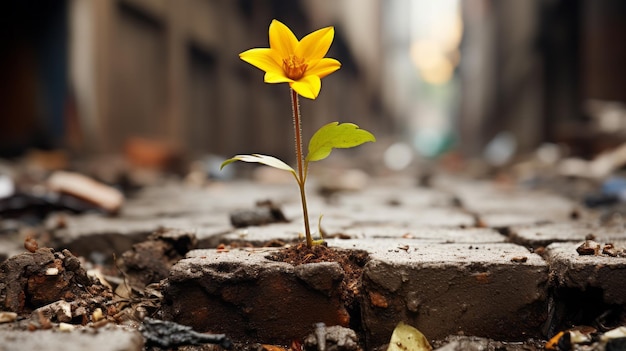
(458, 257)
(567, 231)
(495, 290)
(584, 272)
(250, 298)
(80, 339)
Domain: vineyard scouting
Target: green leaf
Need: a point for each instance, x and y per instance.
(263, 159)
(335, 135)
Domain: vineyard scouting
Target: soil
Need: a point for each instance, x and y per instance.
(53, 286)
(351, 261)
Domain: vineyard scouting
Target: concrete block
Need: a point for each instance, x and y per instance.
(585, 272)
(427, 234)
(413, 217)
(250, 298)
(493, 290)
(570, 231)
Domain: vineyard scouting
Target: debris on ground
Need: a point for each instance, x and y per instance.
(265, 212)
(470, 343)
(333, 338)
(35, 279)
(150, 261)
(167, 334)
(406, 337)
(33, 198)
(88, 189)
(7, 317)
(590, 247)
(589, 339)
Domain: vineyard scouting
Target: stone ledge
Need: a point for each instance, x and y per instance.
(493, 290)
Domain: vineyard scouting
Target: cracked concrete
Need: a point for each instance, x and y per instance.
(459, 257)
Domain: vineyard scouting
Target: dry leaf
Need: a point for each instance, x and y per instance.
(407, 338)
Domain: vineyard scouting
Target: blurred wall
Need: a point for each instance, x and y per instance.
(170, 70)
(534, 68)
(33, 67)
(90, 74)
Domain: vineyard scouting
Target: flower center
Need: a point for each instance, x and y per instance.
(294, 67)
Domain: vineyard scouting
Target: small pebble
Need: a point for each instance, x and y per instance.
(519, 259)
(97, 315)
(52, 271)
(66, 327)
(589, 247)
(7, 317)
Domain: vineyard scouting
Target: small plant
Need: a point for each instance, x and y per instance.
(302, 64)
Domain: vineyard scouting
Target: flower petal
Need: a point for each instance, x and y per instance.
(324, 67)
(315, 45)
(274, 77)
(282, 39)
(262, 59)
(308, 86)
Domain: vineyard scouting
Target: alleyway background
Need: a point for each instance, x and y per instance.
(94, 77)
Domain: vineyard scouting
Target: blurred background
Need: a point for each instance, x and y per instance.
(473, 78)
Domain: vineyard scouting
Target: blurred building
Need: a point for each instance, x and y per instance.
(90, 74)
(544, 70)
(169, 71)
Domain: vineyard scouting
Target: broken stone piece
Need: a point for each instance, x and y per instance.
(30, 284)
(265, 212)
(333, 338)
(66, 327)
(519, 259)
(61, 309)
(83, 187)
(610, 249)
(7, 317)
(150, 261)
(589, 247)
(167, 334)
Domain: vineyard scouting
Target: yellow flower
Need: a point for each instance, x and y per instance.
(300, 63)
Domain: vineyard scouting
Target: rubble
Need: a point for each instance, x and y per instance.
(83, 187)
(167, 335)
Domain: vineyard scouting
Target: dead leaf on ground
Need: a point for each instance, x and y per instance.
(407, 338)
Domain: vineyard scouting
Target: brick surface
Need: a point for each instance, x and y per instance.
(570, 231)
(485, 198)
(250, 298)
(479, 289)
(429, 234)
(571, 270)
(438, 258)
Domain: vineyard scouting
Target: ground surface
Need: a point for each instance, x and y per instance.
(453, 256)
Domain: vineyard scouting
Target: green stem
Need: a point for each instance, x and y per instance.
(297, 126)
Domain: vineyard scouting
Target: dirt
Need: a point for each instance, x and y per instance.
(47, 286)
(150, 261)
(351, 261)
(44, 286)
